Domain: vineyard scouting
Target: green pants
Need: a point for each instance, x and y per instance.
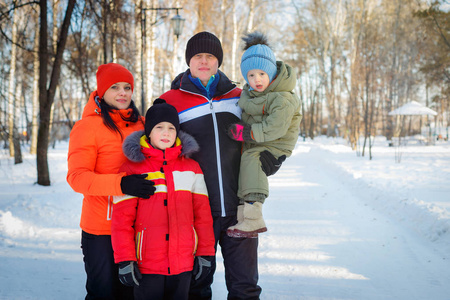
(252, 178)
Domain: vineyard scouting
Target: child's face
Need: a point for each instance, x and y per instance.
(258, 80)
(118, 95)
(163, 135)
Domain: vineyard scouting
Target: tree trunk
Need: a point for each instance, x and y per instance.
(312, 123)
(16, 134)
(149, 54)
(234, 45)
(55, 10)
(393, 88)
(35, 97)
(139, 59)
(251, 15)
(46, 96)
(12, 83)
(114, 19)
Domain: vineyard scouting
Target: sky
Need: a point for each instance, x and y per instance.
(340, 226)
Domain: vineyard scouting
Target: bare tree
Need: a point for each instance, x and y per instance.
(139, 58)
(15, 133)
(12, 82)
(46, 96)
(35, 93)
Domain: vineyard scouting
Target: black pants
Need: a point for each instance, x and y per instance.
(102, 273)
(240, 258)
(162, 287)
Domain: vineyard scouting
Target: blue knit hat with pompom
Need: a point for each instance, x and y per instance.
(258, 55)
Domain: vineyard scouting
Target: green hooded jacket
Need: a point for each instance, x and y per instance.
(275, 113)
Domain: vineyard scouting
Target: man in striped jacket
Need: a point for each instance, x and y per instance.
(207, 103)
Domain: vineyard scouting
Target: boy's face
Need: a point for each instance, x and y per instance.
(163, 135)
(258, 80)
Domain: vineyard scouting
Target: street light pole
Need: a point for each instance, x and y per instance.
(177, 23)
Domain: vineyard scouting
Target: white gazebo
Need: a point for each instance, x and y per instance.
(412, 108)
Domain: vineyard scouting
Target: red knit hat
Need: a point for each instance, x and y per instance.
(109, 74)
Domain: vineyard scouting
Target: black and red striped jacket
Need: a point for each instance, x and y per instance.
(207, 121)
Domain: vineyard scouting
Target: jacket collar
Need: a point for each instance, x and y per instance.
(210, 89)
(136, 147)
(285, 81)
(182, 81)
(93, 109)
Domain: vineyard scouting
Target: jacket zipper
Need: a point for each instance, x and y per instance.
(216, 140)
(218, 159)
(110, 209)
(139, 241)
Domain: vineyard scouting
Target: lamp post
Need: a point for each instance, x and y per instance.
(177, 23)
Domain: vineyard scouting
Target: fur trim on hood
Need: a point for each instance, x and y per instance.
(132, 145)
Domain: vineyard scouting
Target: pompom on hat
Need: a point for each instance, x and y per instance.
(204, 42)
(159, 112)
(109, 74)
(258, 55)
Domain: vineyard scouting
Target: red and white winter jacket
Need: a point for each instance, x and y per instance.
(163, 233)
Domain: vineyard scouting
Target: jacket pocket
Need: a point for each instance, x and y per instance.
(195, 238)
(139, 243)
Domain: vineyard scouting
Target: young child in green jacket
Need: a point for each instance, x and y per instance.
(270, 123)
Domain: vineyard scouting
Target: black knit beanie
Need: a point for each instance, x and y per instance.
(159, 112)
(204, 42)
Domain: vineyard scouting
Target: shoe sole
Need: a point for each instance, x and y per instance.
(236, 233)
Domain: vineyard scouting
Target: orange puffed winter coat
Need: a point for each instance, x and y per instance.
(95, 156)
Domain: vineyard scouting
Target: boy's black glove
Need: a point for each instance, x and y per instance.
(202, 267)
(129, 273)
(269, 164)
(137, 185)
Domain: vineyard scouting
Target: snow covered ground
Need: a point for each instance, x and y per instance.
(340, 226)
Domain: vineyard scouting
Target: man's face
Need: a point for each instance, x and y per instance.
(203, 66)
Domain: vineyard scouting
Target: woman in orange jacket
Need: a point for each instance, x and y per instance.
(94, 158)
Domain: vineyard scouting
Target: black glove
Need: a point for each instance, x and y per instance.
(137, 185)
(269, 164)
(240, 132)
(202, 267)
(129, 273)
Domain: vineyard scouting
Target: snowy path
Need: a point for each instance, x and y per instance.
(325, 242)
(340, 228)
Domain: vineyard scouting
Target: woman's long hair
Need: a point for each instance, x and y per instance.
(108, 121)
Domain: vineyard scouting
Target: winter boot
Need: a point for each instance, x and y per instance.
(240, 218)
(253, 222)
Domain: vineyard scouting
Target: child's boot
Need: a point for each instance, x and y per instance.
(253, 222)
(239, 216)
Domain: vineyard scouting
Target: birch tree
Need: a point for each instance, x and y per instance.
(12, 82)
(251, 16)
(139, 58)
(149, 51)
(114, 25)
(15, 133)
(54, 39)
(234, 46)
(35, 94)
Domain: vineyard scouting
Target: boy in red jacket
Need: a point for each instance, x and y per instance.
(161, 242)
